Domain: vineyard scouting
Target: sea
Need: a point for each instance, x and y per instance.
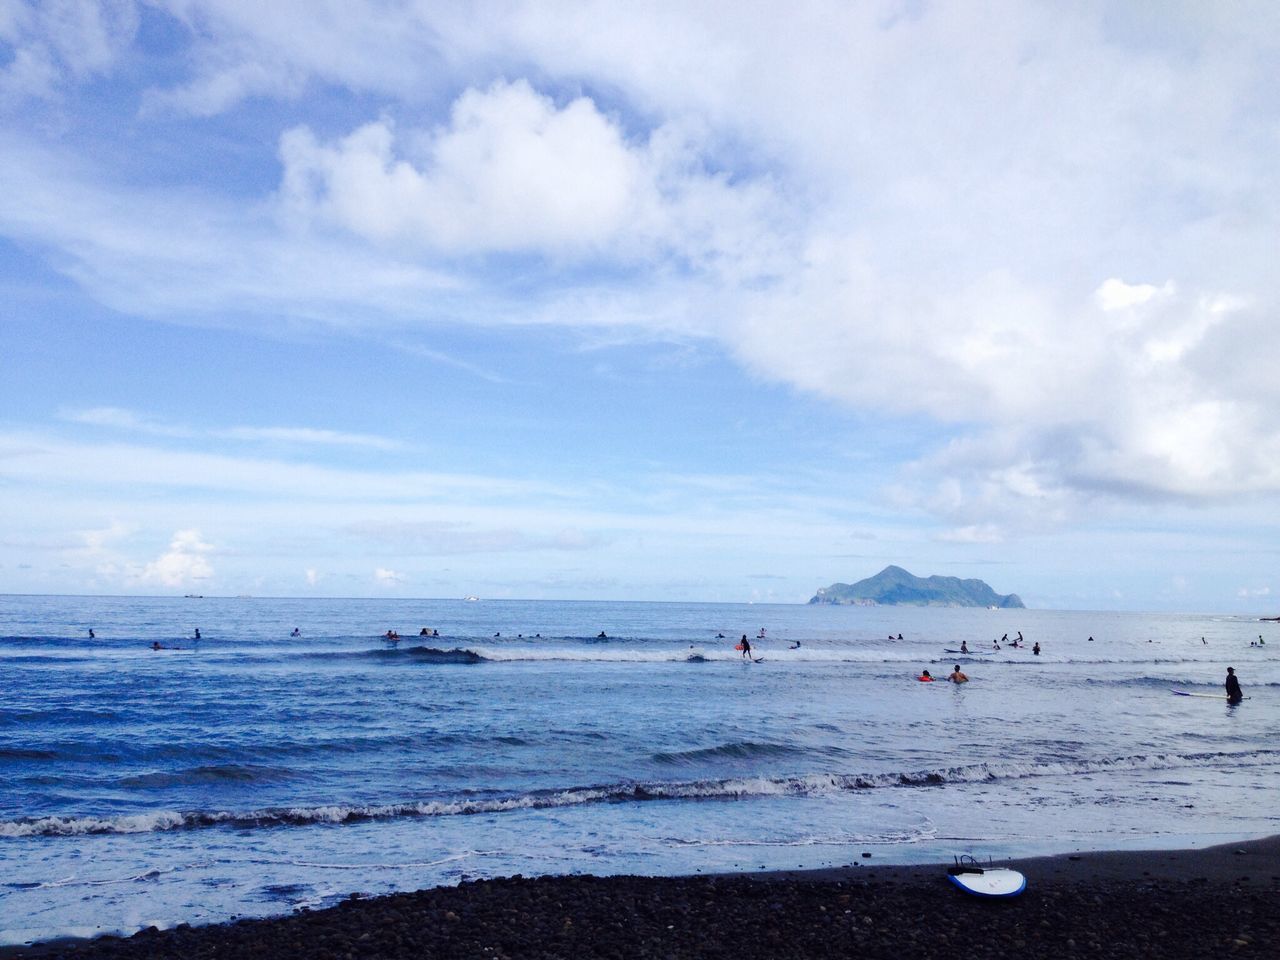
(257, 773)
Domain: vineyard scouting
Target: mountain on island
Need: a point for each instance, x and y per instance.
(893, 586)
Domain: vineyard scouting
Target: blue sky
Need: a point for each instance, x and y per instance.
(640, 301)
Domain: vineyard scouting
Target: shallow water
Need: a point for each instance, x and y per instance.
(254, 773)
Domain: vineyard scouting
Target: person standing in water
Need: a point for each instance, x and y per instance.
(1232, 684)
(745, 646)
(957, 675)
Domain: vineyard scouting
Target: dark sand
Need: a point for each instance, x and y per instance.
(1168, 904)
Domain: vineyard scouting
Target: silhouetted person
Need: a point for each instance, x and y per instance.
(1232, 684)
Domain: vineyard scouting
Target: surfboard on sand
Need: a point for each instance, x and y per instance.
(1206, 696)
(987, 881)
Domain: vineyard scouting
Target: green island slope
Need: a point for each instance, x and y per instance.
(894, 586)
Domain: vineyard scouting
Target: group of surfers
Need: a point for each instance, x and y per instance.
(957, 676)
(391, 636)
(1017, 643)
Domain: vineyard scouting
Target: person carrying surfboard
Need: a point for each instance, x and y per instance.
(1234, 693)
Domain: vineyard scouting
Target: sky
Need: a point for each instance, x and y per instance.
(644, 301)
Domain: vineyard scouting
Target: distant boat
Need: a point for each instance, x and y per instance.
(194, 596)
(471, 599)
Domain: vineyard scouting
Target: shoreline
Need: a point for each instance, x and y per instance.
(1172, 903)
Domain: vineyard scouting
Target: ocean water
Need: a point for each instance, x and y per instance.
(254, 773)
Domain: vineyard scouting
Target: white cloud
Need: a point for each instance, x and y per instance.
(119, 418)
(1115, 294)
(183, 564)
(305, 435)
(512, 171)
(447, 538)
(58, 40)
(387, 577)
(313, 576)
(925, 212)
(1246, 592)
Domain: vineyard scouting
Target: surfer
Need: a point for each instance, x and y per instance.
(964, 646)
(719, 636)
(745, 646)
(602, 636)
(157, 645)
(957, 675)
(197, 633)
(1036, 649)
(1019, 636)
(296, 632)
(925, 677)
(91, 634)
(794, 646)
(424, 632)
(391, 636)
(995, 644)
(1232, 684)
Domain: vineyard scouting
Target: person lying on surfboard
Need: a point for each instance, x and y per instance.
(925, 677)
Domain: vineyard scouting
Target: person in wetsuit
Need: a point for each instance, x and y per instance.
(1232, 684)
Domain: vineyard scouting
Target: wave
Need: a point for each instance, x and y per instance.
(210, 773)
(733, 751)
(392, 654)
(733, 788)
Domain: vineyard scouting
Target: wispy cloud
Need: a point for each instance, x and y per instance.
(130, 421)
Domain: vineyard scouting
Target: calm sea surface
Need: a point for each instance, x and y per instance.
(254, 772)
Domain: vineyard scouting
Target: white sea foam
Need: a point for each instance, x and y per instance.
(728, 788)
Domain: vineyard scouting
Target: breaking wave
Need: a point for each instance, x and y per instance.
(733, 788)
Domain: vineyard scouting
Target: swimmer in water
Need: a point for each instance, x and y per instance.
(957, 675)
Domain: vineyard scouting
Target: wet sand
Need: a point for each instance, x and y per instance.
(1169, 904)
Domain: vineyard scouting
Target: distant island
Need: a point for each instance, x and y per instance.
(893, 586)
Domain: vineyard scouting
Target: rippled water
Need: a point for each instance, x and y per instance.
(253, 772)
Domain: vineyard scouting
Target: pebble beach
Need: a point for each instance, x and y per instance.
(1172, 904)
